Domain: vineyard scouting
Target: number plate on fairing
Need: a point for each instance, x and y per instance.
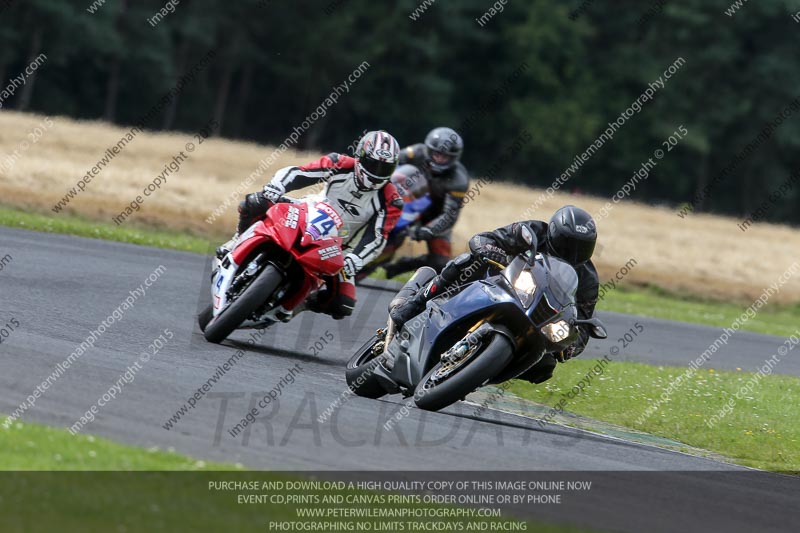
(323, 221)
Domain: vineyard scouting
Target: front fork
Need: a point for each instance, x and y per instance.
(471, 341)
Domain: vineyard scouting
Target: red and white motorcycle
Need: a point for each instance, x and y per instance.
(274, 266)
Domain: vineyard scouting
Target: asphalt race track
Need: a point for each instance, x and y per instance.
(59, 288)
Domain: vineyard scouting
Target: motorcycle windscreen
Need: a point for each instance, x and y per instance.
(562, 281)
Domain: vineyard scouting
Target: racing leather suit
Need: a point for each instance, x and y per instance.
(368, 217)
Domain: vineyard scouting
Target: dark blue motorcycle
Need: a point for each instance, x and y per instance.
(484, 332)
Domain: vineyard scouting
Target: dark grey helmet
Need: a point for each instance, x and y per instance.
(572, 234)
(443, 147)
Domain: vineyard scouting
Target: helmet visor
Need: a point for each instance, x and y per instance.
(377, 170)
(573, 250)
(441, 158)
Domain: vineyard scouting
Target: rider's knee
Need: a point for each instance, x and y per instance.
(254, 205)
(453, 268)
(252, 208)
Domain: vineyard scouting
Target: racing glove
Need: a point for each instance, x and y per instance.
(494, 253)
(421, 233)
(564, 355)
(352, 265)
(274, 191)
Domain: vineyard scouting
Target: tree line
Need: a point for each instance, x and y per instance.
(562, 71)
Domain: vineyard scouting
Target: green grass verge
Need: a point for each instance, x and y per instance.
(73, 225)
(651, 302)
(761, 431)
(94, 495)
(654, 302)
(36, 447)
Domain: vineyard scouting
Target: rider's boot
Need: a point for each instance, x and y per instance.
(411, 299)
(285, 315)
(409, 309)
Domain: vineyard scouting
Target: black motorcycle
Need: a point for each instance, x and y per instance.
(488, 332)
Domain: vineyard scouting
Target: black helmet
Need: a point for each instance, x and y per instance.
(572, 234)
(443, 147)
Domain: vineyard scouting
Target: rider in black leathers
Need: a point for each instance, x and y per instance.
(570, 235)
(439, 158)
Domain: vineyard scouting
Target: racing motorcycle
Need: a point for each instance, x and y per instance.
(274, 267)
(492, 330)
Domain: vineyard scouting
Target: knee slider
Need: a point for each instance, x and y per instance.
(254, 205)
(454, 267)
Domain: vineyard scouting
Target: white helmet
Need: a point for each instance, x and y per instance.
(376, 159)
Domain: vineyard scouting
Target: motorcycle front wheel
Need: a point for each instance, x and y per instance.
(446, 383)
(205, 317)
(253, 297)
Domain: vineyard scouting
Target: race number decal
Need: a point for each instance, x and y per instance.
(326, 220)
(331, 212)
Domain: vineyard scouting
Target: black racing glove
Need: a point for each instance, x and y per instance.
(421, 233)
(564, 355)
(493, 253)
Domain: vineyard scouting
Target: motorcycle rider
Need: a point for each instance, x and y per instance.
(438, 156)
(359, 188)
(412, 185)
(570, 235)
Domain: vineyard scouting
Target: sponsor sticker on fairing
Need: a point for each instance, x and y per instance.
(292, 217)
(329, 252)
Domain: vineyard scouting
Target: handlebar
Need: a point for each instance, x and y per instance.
(287, 200)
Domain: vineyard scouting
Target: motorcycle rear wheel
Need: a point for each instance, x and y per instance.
(359, 374)
(491, 360)
(239, 310)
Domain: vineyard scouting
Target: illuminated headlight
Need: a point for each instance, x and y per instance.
(556, 331)
(525, 287)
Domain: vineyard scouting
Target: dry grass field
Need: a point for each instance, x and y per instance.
(701, 254)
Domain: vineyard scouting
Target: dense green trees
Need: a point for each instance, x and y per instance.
(538, 65)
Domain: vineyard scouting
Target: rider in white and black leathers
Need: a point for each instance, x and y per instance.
(570, 235)
(360, 190)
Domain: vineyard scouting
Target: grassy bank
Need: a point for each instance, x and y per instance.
(94, 484)
(760, 431)
(130, 233)
(782, 320)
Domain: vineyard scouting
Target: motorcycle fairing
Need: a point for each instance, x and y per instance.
(285, 225)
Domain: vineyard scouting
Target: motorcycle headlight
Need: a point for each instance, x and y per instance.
(525, 287)
(556, 331)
